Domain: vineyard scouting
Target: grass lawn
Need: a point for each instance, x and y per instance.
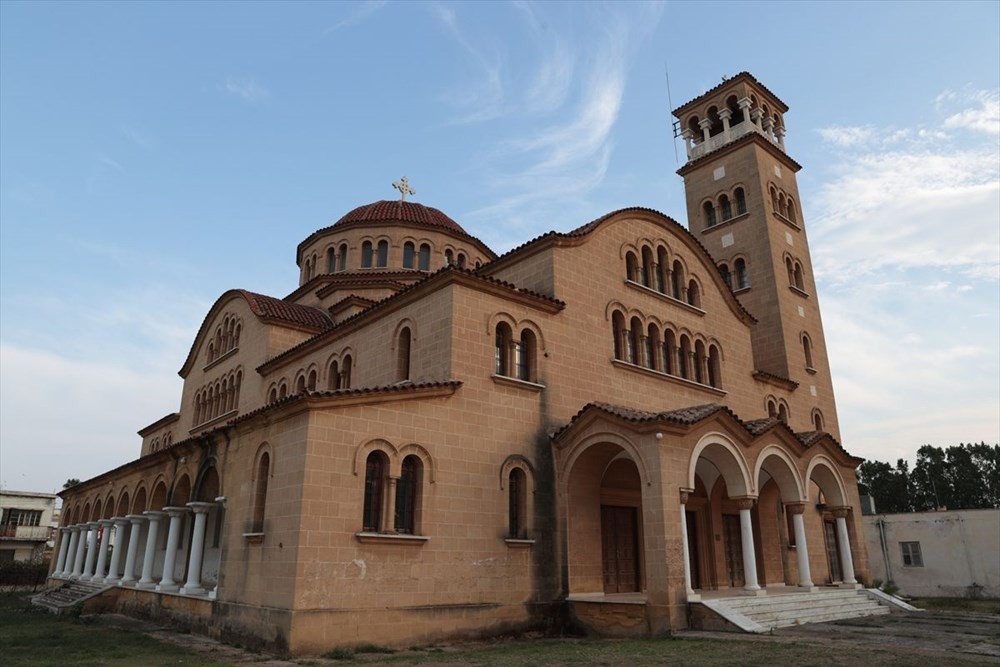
(33, 637)
(978, 606)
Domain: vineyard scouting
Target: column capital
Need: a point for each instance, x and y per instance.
(176, 510)
(105, 522)
(704, 123)
(685, 494)
(745, 503)
(200, 507)
(120, 520)
(840, 512)
(90, 525)
(795, 508)
(726, 113)
(136, 518)
(154, 515)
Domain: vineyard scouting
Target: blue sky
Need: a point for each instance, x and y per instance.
(153, 156)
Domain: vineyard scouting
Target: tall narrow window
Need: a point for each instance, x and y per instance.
(652, 345)
(684, 358)
(342, 261)
(714, 367)
(345, 373)
(818, 420)
(741, 201)
(375, 470)
(807, 351)
(449, 258)
(260, 492)
(700, 361)
(797, 277)
(631, 267)
(742, 279)
(694, 294)
(502, 345)
(677, 280)
(709, 210)
(647, 267)
(383, 254)
(790, 212)
(618, 328)
(727, 208)
(311, 384)
(772, 408)
(790, 271)
(424, 258)
(408, 255)
(526, 356)
(461, 260)
(403, 355)
(726, 276)
(366, 255)
(408, 496)
(669, 353)
(661, 269)
(331, 260)
(635, 341)
(333, 380)
(783, 412)
(516, 501)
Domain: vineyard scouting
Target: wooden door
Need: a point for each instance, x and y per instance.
(832, 553)
(619, 547)
(733, 544)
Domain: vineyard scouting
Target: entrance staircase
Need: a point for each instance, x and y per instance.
(62, 598)
(781, 610)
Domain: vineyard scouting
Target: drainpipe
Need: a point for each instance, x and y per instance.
(885, 550)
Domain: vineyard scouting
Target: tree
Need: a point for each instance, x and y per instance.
(887, 485)
(72, 481)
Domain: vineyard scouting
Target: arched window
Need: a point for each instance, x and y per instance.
(774, 200)
(700, 362)
(502, 347)
(790, 211)
(669, 352)
(694, 126)
(647, 267)
(631, 267)
(677, 280)
(726, 276)
(782, 204)
(403, 355)
(526, 356)
(517, 497)
(331, 260)
(790, 270)
(408, 496)
(694, 294)
(662, 264)
(727, 208)
(282, 391)
(366, 255)
(342, 261)
(618, 327)
(818, 420)
(807, 351)
(652, 346)
(742, 279)
(741, 201)
(797, 277)
(408, 254)
(772, 408)
(376, 467)
(783, 412)
(714, 367)
(333, 379)
(300, 385)
(734, 106)
(449, 257)
(709, 210)
(273, 396)
(635, 341)
(383, 254)
(260, 493)
(345, 373)
(461, 260)
(311, 384)
(684, 358)
(424, 258)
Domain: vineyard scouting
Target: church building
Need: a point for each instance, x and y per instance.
(425, 440)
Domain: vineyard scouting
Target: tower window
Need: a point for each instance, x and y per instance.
(408, 255)
(331, 260)
(727, 208)
(807, 351)
(726, 276)
(424, 258)
(709, 210)
(366, 255)
(742, 279)
(741, 201)
(342, 261)
(383, 254)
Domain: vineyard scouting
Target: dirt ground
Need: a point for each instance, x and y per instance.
(917, 638)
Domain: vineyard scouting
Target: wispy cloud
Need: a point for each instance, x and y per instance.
(246, 89)
(982, 116)
(361, 12)
(481, 96)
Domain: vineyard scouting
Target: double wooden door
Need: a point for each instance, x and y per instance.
(619, 549)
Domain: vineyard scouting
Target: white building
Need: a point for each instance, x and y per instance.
(937, 554)
(25, 524)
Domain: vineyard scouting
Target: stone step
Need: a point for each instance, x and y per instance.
(69, 594)
(818, 614)
(758, 614)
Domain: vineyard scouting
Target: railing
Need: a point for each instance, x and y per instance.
(719, 140)
(25, 532)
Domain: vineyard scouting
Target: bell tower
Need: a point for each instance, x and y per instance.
(743, 205)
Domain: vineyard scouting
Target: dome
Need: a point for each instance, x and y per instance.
(400, 211)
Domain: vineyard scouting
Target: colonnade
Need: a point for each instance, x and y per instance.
(84, 557)
(750, 556)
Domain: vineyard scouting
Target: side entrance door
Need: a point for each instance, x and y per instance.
(733, 544)
(832, 554)
(619, 547)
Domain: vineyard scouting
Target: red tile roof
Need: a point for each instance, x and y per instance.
(271, 308)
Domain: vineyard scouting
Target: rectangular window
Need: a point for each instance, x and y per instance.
(911, 554)
(16, 517)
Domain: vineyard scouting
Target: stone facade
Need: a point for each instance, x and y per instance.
(425, 440)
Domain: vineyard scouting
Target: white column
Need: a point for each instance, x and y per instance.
(114, 571)
(688, 141)
(88, 568)
(147, 581)
(749, 557)
(193, 584)
(706, 126)
(102, 550)
(692, 596)
(844, 542)
(801, 550)
(167, 583)
(77, 549)
(64, 540)
(133, 548)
